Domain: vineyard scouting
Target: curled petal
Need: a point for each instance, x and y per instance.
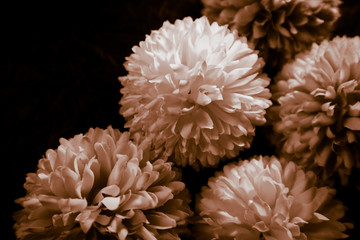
(194, 101)
(317, 112)
(102, 185)
(285, 207)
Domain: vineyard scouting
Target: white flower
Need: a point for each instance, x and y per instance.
(265, 198)
(196, 90)
(284, 27)
(318, 112)
(98, 185)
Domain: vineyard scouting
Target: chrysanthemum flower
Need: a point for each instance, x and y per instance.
(265, 198)
(318, 114)
(99, 186)
(196, 90)
(276, 26)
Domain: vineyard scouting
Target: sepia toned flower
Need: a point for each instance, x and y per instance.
(267, 198)
(318, 107)
(194, 90)
(99, 186)
(281, 27)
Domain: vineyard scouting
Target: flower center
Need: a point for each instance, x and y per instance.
(205, 94)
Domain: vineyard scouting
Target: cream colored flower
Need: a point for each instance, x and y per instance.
(318, 115)
(265, 198)
(284, 27)
(196, 90)
(98, 186)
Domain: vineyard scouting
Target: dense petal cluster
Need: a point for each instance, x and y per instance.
(265, 198)
(284, 27)
(195, 90)
(318, 107)
(99, 186)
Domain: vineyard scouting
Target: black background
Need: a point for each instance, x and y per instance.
(59, 78)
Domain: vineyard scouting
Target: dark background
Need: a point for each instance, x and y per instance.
(59, 78)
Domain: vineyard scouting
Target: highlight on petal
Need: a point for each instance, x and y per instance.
(267, 197)
(101, 184)
(194, 90)
(279, 29)
(316, 111)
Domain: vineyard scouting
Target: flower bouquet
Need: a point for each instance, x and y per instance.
(197, 94)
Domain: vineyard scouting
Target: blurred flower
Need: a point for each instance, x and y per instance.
(196, 90)
(319, 107)
(265, 198)
(98, 185)
(285, 26)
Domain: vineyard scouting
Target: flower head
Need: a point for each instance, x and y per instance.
(196, 90)
(269, 198)
(318, 111)
(282, 26)
(99, 185)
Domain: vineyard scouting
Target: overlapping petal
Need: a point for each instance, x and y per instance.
(279, 28)
(267, 198)
(101, 185)
(317, 107)
(194, 90)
